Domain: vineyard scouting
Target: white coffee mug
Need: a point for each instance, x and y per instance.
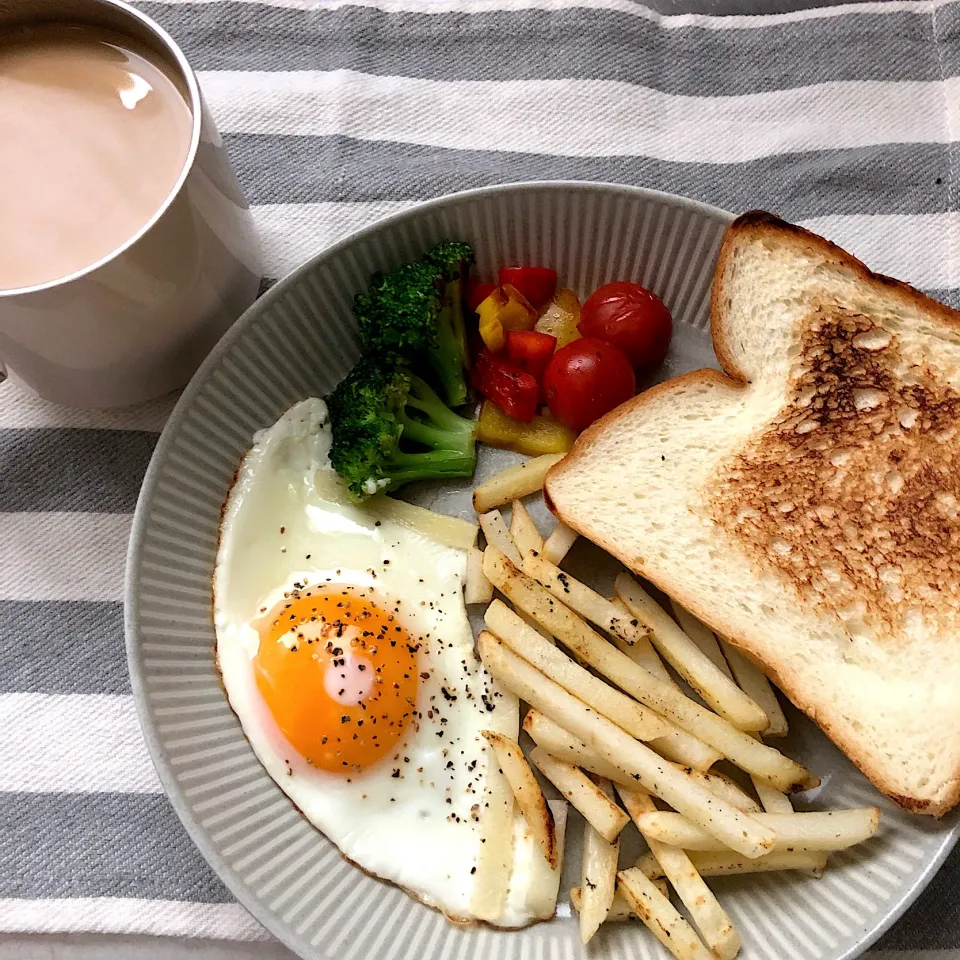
(137, 323)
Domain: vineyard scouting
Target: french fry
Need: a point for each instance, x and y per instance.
(526, 792)
(598, 875)
(727, 863)
(773, 801)
(713, 685)
(564, 745)
(580, 598)
(724, 788)
(495, 860)
(559, 542)
(685, 749)
(616, 746)
(523, 530)
(700, 634)
(535, 601)
(716, 928)
(477, 589)
(662, 697)
(808, 832)
(758, 688)
(438, 526)
(530, 622)
(514, 482)
(619, 909)
(451, 531)
(642, 652)
(543, 884)
(678, 745)
(495, 530)
(582, 793)
(660, 916)
(635, 718)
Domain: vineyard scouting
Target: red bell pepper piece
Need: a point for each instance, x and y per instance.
(477, 292)
(537, 284)
(514, 391)
(530, 350)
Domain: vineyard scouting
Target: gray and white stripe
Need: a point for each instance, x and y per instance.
(585, 42)
(337, 114)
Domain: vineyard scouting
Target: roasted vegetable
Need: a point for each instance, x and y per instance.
(537, 284)
(504, 309)
(513, 390)
(561, 317)
(541, 435)
(390, 428)
(530, 350)
(416, 312)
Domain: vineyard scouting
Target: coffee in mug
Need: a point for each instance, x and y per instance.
(96, 132)
(126, 245)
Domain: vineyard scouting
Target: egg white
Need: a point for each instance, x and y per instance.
(419, 818)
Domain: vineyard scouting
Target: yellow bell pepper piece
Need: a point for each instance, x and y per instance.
(542, 435)
(561, 317)
(517, 312)
(491, 329)
(505, 309)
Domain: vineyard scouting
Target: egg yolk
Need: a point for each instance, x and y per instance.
(339, 675)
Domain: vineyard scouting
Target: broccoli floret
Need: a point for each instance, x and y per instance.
(390, 428)
(417, 311)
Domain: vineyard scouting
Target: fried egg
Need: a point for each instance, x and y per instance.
(348, 657)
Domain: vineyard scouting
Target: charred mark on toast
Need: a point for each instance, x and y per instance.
(912, 804)
(852, 493)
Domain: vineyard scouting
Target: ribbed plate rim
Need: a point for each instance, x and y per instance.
(236, 884)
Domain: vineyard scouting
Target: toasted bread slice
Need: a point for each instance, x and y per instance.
(805, 503)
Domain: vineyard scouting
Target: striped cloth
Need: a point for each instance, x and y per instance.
(335, 114)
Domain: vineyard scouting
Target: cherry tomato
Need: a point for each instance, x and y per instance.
(630, 317)
(537, 284)
(586, 379)
(477, 292)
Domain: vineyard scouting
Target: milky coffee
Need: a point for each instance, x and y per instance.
(94, 134)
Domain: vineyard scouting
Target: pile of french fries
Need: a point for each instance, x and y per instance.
(622, 741)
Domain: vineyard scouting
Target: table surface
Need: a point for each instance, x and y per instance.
(113, 947)
(94, 947)
(722, 7)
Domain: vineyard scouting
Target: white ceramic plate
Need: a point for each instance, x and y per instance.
(298, 341)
